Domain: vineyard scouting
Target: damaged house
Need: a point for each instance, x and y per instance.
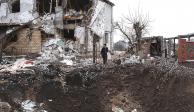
(152, 46)
(26, 24)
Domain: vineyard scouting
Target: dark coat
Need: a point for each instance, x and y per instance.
(104, 51)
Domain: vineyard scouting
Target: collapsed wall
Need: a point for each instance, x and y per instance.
(74, 21)
(151, 46)
(28, 41)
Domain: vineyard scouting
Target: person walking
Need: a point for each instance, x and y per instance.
(104, 52)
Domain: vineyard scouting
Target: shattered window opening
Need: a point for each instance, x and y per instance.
(69, 34)
(15, 6)
(44, 6)
(106, 37)
(78, 5)
(13, 38)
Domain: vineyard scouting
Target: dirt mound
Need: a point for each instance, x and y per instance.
(151, 89)
(144, 88)
(131, 88)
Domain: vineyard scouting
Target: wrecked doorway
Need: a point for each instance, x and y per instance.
(15, 6)
(155, 48)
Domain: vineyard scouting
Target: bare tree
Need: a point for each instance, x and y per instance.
(134, 27)
(126, 31)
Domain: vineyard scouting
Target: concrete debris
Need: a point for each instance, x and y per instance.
(5, 107)
(56, 41)
(86, 62)
(116, 109)
(130, 87)
(48, 23)
(55, 50)
(67, 62)
(4, 62)
(28, 106)
(73, 12)
(20, 64)
(132, 59)
(135, 110)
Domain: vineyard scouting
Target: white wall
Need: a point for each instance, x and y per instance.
(27, 13)
(3, 9)
(98, 19)
(102, 22)
(108, 17)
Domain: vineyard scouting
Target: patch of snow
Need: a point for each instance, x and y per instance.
(28, 106)
(117, 109)
(135, 110)
(67, 62)
(50, 100)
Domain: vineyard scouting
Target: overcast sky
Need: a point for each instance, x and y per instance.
(169, 17)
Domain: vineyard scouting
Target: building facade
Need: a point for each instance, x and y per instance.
(87, 24)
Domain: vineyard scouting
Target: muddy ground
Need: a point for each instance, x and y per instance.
(146, 88)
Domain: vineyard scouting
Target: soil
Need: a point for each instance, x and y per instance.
(96, 88)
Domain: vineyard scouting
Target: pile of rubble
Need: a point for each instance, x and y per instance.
(55, 50)
(21, 64)
(132, 86)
